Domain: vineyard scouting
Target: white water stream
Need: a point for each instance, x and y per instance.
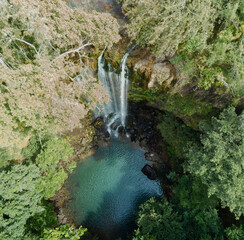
(124, 90)
(115, 112)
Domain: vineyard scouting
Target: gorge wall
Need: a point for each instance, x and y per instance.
(165, 87)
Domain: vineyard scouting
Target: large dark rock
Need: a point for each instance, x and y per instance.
(149, 172)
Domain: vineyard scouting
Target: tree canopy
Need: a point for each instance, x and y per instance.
(219, 160)
(23, 212)
(234, 233)
(163, 220)
(164, 25)
(52, 162)
(202, 38)
(64, 232)
(157, 220)
(19, 199)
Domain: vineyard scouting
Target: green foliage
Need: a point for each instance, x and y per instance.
(191, 199)
(164, 25)
(19, 200)
(219, 160)
(22, 213)
(157, 220)
(176, 134)
(221, 60)
(4, 157)
(189, 215)
(234, 233)
(203, 224)
(64, 232)
(220, 63)
(191, 194)
(46, 219)
(206, 35)
(52, 162)
(33, 148)
(187, 105)
(208, 76)
(188, 108)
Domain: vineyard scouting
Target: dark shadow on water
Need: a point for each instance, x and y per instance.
(110, 229)
(111, 226)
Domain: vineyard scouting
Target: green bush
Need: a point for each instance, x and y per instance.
(36, 224)
(52, 161)
(64, 232)
(234, 233)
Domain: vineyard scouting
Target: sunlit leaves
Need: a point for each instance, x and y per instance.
(208, 36)
(42, 53)
(157, 220)
(163, 25)
(234, 233)
(18, 199)
(51, 162)
(64, 232)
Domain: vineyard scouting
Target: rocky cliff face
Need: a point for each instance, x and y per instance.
(164, 87)
(161, 84)
(168, 89)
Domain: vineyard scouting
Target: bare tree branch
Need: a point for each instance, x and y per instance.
(224, 82)
(29, 44)
(3, 63)
(221, 79)
(21, 49)
(65, 73)
(74, 51)
(235, 24)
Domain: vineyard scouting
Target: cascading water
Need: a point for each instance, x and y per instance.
(115, 111)
(124, 90)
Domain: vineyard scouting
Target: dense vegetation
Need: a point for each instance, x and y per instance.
(24, 188)
(48, 90)
(204, 38)
(213, 176)
(38, 41)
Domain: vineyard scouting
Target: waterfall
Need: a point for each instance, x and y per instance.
(124, 90)
(115, 112)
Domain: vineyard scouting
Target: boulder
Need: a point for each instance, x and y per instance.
(162, 74)
(149, 172)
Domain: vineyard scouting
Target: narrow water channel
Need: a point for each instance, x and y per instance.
(108, 187)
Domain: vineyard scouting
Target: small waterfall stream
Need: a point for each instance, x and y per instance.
(115, 112)
(124, 90)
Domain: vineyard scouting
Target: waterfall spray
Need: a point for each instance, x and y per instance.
(124, 90)
(115, 112)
